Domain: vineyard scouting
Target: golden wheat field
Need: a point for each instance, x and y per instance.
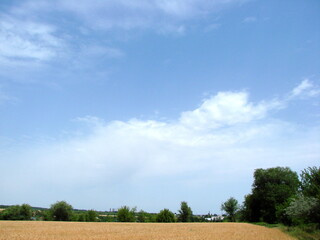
(136, 231)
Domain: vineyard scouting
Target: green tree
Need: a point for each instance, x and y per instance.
(61, 211)
(249, 210)
(25, 212)
(82, 217)
(302, 209)
(91, 216)
(46, 215)
(310, 182)
(142, 216)
(165, 216)
(271, 189)
(151, 217)
(185, 213)
(125, 214)
(11, 213)
(230, 207)
(310, 188)
(17, 212)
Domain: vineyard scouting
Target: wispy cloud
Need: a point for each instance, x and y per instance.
(32, 38)
(305, 89)
(37, 48)
(225, 137)
(128, 15)
(26, 40)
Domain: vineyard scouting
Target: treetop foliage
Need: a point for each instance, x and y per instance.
(271, 188)
(310, 182)
(166, 216)
(125, 214)
(278, 196)
(230, 207)
(61, 211)
(185, 213)
(17, 212)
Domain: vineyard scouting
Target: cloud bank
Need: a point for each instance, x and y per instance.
(203, 156)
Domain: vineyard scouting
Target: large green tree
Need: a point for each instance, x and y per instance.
(125, 214)
(271, 190)
(231, 207)
(166, 216)
(61, 211)
(185, 213)
(25, 212)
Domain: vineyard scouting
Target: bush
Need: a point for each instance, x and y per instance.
(142, 216)
(125, 214)
(302, 209)
(23, 212)
(166, 216)
(61, 211)
(91, 216)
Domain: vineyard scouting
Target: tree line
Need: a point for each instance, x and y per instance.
(278, 195)
(62, 211)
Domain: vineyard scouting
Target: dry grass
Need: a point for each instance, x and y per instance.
(137, 231)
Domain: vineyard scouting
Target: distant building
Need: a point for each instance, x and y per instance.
(215, 218)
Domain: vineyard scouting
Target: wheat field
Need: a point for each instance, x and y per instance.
(14, 230)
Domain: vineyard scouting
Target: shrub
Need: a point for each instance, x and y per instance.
(125, 214)
(166, 216)
(23, 212)
(61, 211)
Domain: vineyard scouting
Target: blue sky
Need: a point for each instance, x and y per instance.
(150, 103)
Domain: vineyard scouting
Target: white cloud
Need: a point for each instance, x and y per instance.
(226, 138)
(305, 89)
(226, 108)
(26, 40)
